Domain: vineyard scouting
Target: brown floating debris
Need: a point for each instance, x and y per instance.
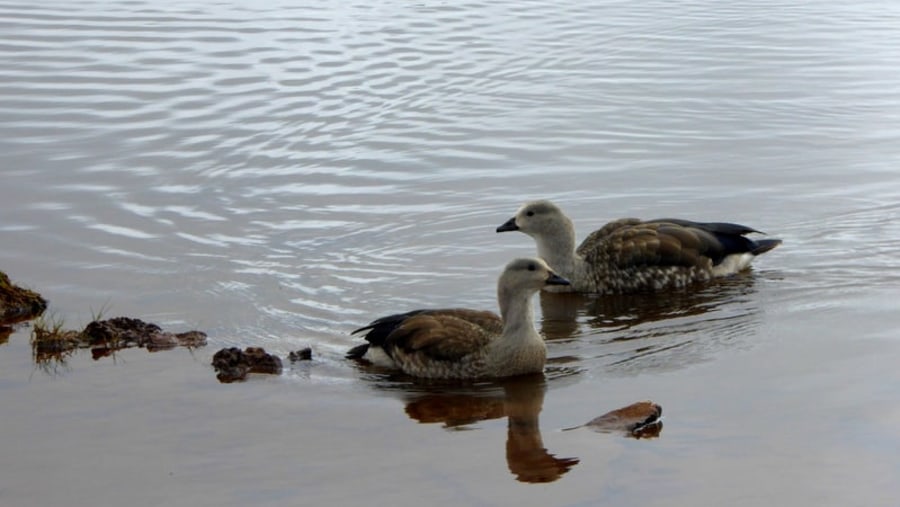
(639, 420)
(233, 364)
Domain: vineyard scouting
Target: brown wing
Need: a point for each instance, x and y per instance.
(652, 243)
(444, 334)
(594, 245)
(614, 226)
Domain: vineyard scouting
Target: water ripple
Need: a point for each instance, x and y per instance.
(310, 162)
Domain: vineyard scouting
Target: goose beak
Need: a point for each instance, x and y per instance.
(555, 279)
(509, 225)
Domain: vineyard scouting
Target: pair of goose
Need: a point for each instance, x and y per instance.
(624, 256)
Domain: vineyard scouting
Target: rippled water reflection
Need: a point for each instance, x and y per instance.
(278, 174)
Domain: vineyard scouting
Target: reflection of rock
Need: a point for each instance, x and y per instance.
(521, 402)
(17, 304)
(639, 420)
(234, 364)
(53, 344)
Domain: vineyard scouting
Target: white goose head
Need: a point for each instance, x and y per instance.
(528, 275)
(521, 279)
(552, 231)
(538, 219)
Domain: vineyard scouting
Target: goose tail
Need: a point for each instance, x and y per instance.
(358, 351)
(764, 245)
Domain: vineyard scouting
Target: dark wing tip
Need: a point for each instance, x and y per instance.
(711, 227)
(364, 328)
(379, 329)
(358, 351)
(764, 245)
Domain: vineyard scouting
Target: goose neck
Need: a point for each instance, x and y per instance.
(517, 311)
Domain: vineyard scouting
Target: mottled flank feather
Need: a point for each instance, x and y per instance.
(462, 343)
(630, 255)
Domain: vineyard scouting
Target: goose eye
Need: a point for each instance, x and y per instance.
(530, 213)
(531, 267)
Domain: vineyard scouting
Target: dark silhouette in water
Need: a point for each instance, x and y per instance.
(520, 400)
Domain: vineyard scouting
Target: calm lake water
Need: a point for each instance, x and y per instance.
(279, 173)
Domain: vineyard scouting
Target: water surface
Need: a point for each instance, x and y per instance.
(279, 174)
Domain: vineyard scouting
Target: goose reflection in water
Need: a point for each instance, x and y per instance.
(520, 400)
(640, 331)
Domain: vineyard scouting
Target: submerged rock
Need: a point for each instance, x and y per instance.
(304, 354)
(120, 332)
(233, 364)
(263, 362)
(18, 304)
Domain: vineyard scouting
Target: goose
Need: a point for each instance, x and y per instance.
(629, 255)
(459, 343)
